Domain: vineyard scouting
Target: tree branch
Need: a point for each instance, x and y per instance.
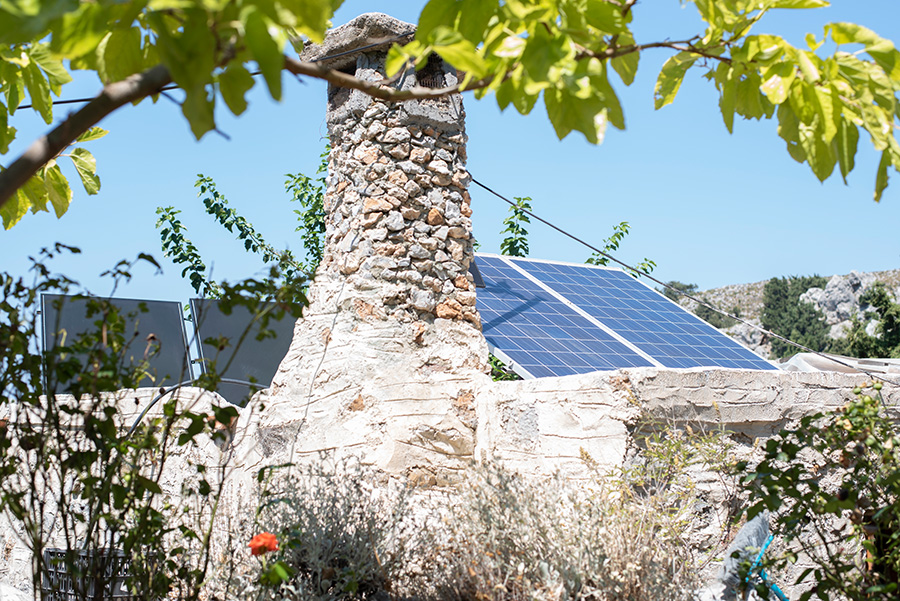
(151, 81)
(681, 46)
(47, 147)
(376, 90)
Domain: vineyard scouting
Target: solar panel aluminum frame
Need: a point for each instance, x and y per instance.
(510, 363)
(175, 306)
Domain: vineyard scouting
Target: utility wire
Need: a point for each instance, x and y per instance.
(683, 293)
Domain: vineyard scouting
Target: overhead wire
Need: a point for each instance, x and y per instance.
(687, 295)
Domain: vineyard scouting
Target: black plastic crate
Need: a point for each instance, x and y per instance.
(57, 584)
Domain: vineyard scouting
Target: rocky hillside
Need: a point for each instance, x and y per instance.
(838, 302)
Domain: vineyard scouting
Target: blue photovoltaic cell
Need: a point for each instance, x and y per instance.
(540, 333)
(651, 322)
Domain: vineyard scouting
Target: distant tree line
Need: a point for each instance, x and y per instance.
(786, 315)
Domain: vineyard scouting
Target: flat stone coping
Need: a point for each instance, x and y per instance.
(364, 30)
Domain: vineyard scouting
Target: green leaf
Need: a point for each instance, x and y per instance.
(234, 83)
(94, 133)
(567, 113)
(198, 108)
(14, 209)
(265, 51)
(284, 571)
(276, 574)
(748, 101)
(819, 154)
(463, 56)
(7, 134)
(543, 51)
(79, 32)
(398, 56)
(777, 81)
(670, 78)
(845, 147)
(147, 484)
(825, 101)
(627, 64)
(524, 100)
(57, 76)
(14, 85)
(120, 55)
(605, 16)
(86, 166)
(880, 49)
(58, 189)
(436, 13)
(36, 194)
(800, 4)
(189, 53)
(881, 176)
(505, 93)
(728, 95)
(611, 104)
(38, 91)
(807, 67)
(812, 43)
(313, 16)
(478, 14)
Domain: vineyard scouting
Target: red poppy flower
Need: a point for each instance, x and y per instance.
(263, 543)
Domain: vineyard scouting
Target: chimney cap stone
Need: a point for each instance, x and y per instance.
(364, 30)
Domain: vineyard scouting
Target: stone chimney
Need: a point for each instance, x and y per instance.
(385, 362)
(397, 207)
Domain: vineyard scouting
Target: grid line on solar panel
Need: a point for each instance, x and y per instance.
(538, 332)
(635, 311)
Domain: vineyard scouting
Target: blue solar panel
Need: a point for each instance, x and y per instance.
(650, 328)
(538, 332)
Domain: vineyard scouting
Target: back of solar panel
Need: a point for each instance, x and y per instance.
(238, 346)
(153, 332)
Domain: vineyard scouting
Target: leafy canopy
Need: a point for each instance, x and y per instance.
(568, 50)
(569, 53)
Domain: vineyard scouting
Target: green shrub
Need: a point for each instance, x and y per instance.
(73, 475)
(833, 485)
(886, 341)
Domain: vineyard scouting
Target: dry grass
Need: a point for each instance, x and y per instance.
(495, 537)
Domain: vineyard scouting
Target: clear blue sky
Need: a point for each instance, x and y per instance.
(710, 208)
